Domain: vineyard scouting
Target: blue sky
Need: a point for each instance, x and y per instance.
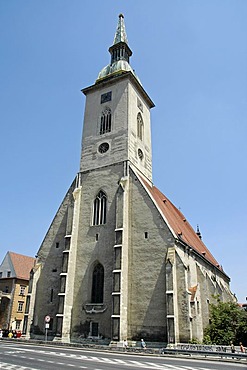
(191, 58)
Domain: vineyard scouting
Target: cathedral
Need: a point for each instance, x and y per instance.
(119, 260)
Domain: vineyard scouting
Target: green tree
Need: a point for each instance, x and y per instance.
(227, 322)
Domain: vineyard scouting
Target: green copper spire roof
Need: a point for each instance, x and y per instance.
(120, 54)
(120, 35)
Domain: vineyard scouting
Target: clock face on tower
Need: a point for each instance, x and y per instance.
(103, 148)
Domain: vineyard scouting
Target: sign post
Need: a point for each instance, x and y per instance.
(47, 320)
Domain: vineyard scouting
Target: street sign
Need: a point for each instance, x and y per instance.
(47, 318)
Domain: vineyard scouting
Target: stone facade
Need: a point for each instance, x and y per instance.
(120, 260)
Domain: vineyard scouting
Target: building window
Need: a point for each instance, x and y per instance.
(116, 304)
(139, 126)
(18, 324)
(118, 258)
(65, 262)
(98, 284)
(60, 304)
(57, 244)
(22, 290)
(99, 209)
(105, 121)
(116, 281)
(20, 306)
(119, 236)
(24, 329)
(169, 304)
(115, 328)
(27, 304)
(8, 273)
(59, 326)
(62, 284)
(169, 276)
(1, 274)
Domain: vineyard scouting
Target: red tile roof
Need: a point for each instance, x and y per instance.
(22, 265)
(177, 223)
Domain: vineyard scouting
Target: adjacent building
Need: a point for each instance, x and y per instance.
(14, 279)
(119, 259)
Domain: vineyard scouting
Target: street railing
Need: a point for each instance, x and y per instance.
(190, 352)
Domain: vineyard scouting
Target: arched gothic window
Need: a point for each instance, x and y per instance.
(99, 209)
(139, 126)
(105, 121)
(98, 284)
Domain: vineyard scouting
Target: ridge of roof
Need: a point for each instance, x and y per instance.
(177, 222)
(22, 265)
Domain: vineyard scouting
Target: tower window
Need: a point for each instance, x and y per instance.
(99, 209)
(105, 121)
(98, 284)
(139, 126)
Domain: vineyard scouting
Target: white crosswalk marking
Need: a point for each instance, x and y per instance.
(5, 365)
(81, 358)
(136, 363)
(120, 361)
(108, 360)
(155, 365)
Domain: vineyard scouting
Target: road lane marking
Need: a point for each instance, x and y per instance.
(5, 365)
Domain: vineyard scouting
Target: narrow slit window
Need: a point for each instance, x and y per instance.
(140, 126)
(98, 284)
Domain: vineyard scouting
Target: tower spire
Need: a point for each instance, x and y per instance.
(198, 232)
(120, 35)
(120, 54)
(120, 49)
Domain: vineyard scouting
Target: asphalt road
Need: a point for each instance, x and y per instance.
(15, 355)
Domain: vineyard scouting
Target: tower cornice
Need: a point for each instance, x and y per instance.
(120, 76)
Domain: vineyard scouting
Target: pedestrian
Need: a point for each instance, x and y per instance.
(242, 349)
(125, 344)
(232, 347)
(143, 344)
(10, 335)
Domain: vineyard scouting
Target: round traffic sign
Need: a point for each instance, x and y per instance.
(47, 318)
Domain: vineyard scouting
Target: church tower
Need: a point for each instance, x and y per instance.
(117, 114)
(119, 259)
